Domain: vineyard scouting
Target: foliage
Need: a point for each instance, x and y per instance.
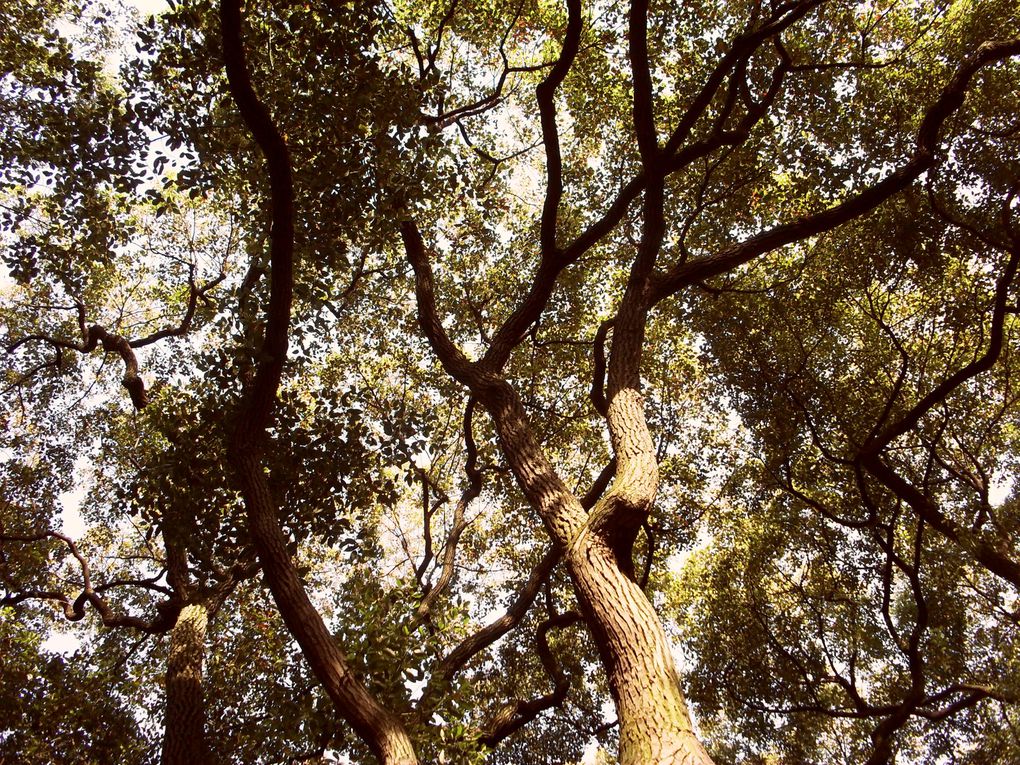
(44, 719)
(452, 303)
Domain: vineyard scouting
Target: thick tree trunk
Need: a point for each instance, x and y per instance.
(655, 727)
(184, 741)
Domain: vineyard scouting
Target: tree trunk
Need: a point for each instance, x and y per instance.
(382, 730)
(655, 727)
(184, 740)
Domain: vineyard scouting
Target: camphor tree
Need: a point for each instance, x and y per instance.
(670, 316)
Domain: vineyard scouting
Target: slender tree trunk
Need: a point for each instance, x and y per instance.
(381, 729)
(655, 726)
(184, 741)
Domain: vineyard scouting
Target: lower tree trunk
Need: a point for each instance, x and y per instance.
(184, 741)
(655, 727)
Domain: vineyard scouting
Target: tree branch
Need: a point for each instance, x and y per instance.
(949, 101)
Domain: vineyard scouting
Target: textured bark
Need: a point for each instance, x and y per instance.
(381, 730)
(655, 727)
(184, 741)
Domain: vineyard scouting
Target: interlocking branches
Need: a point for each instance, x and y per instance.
(926, 145)
(74, 608)
(873, 454)
(470, 493)
(95, 336)
(825, 662)
(477, 642)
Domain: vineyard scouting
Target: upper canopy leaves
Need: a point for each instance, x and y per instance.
(792, 225)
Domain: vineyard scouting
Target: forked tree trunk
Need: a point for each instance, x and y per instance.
(655, 726)
(184, 741)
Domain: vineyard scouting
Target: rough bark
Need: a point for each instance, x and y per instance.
(184, 741)
(655, 727)
(379, 728)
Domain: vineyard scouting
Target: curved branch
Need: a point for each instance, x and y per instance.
(979, 365)
(458, 658)
(985, 551)
(195, 293)
(949, 101)
(545, 94)
(75, 610)
(598, 374)
(470, 494)
(96, 335)
(641, 76)
(93, 337)
(518, 713)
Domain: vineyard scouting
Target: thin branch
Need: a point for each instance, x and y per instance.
(471, 493)
(518, 713)
(458, 658)
(75, 609)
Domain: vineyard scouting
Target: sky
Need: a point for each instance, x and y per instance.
(148, 7)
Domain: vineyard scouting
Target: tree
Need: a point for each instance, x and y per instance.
(674, 287)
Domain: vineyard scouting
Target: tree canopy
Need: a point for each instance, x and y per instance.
(512, 382)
